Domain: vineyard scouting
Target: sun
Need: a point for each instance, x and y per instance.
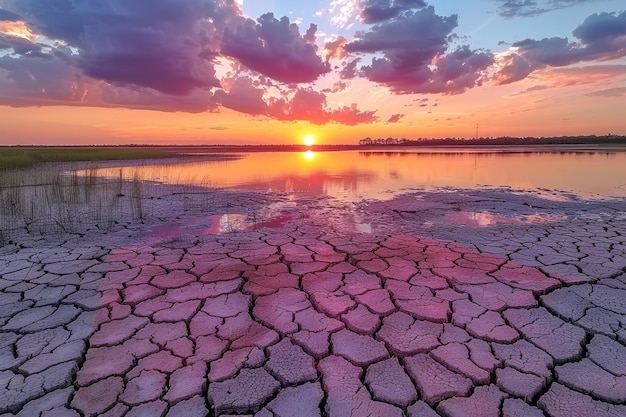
(309, 140)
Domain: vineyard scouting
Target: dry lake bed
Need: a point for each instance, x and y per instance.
(451, 302)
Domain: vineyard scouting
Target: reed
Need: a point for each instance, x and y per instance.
(55, 201)
(50, 199)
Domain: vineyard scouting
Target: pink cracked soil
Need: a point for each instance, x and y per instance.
(313, 318)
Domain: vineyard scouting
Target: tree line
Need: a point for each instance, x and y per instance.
(497, 141)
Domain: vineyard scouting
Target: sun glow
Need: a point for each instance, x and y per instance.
(309, 140)
(18, 30)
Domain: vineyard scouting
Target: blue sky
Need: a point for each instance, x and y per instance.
(481, 21)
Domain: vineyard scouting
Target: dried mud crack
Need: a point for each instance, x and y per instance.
(424, 316)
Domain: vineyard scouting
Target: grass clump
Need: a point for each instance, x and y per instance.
(48, 200)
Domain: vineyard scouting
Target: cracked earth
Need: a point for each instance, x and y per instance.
(458, 303)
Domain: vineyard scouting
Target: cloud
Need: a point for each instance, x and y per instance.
(303, 104)
(600, 28)
(243, 97)
(511, 67)
(529, 8)
(38, 81)
(345, 13)
(342, 13)
(8, 16)
(159, 55)
(414, 59)
(109, 95)
(395, 118)
(531, 89)
(349, 69)
(352, 116)
(376, 11)
(52, 80)
(601, 37)
(162, 45)
(310, 105)
(609, 92)
(582, 75)
(417, 35)
(20, 45)
(338, 87)
(203, 55)
(276, 49)
(335, 48)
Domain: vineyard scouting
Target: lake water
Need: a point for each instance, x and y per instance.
(355, 175)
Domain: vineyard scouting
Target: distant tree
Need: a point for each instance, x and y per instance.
(498, 141)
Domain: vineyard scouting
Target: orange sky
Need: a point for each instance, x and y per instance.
(498, 111)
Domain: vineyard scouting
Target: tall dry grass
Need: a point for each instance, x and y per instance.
(50, 199)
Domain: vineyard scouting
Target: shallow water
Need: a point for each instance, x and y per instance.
(354, 175)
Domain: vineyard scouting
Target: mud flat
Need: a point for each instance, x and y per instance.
(444, 303)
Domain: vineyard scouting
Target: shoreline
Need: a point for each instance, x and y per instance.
(188, 150)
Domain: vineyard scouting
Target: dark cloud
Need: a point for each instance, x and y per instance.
(39, 81)
(601, 37)
(376, 11)
(416, 36)
(196, 101)
(275, 48)
(601, 28)
(395, 118)
(52, 80)
(512, 67)
(459, 70)
(529, 8)
(169, 45)
(164, 55)
(414, 59)
(19, 46)
(349, 69)
(8, 16)
(161, 44)
(158, 54)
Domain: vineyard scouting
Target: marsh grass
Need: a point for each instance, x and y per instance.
(51, 199)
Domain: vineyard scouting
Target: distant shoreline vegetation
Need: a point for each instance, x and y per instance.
(498, 141)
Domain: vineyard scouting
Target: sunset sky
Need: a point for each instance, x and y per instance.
(275, 71)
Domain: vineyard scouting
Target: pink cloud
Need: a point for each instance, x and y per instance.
(311, 105)
(306, 104)
(609, 92)
(276, 49)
